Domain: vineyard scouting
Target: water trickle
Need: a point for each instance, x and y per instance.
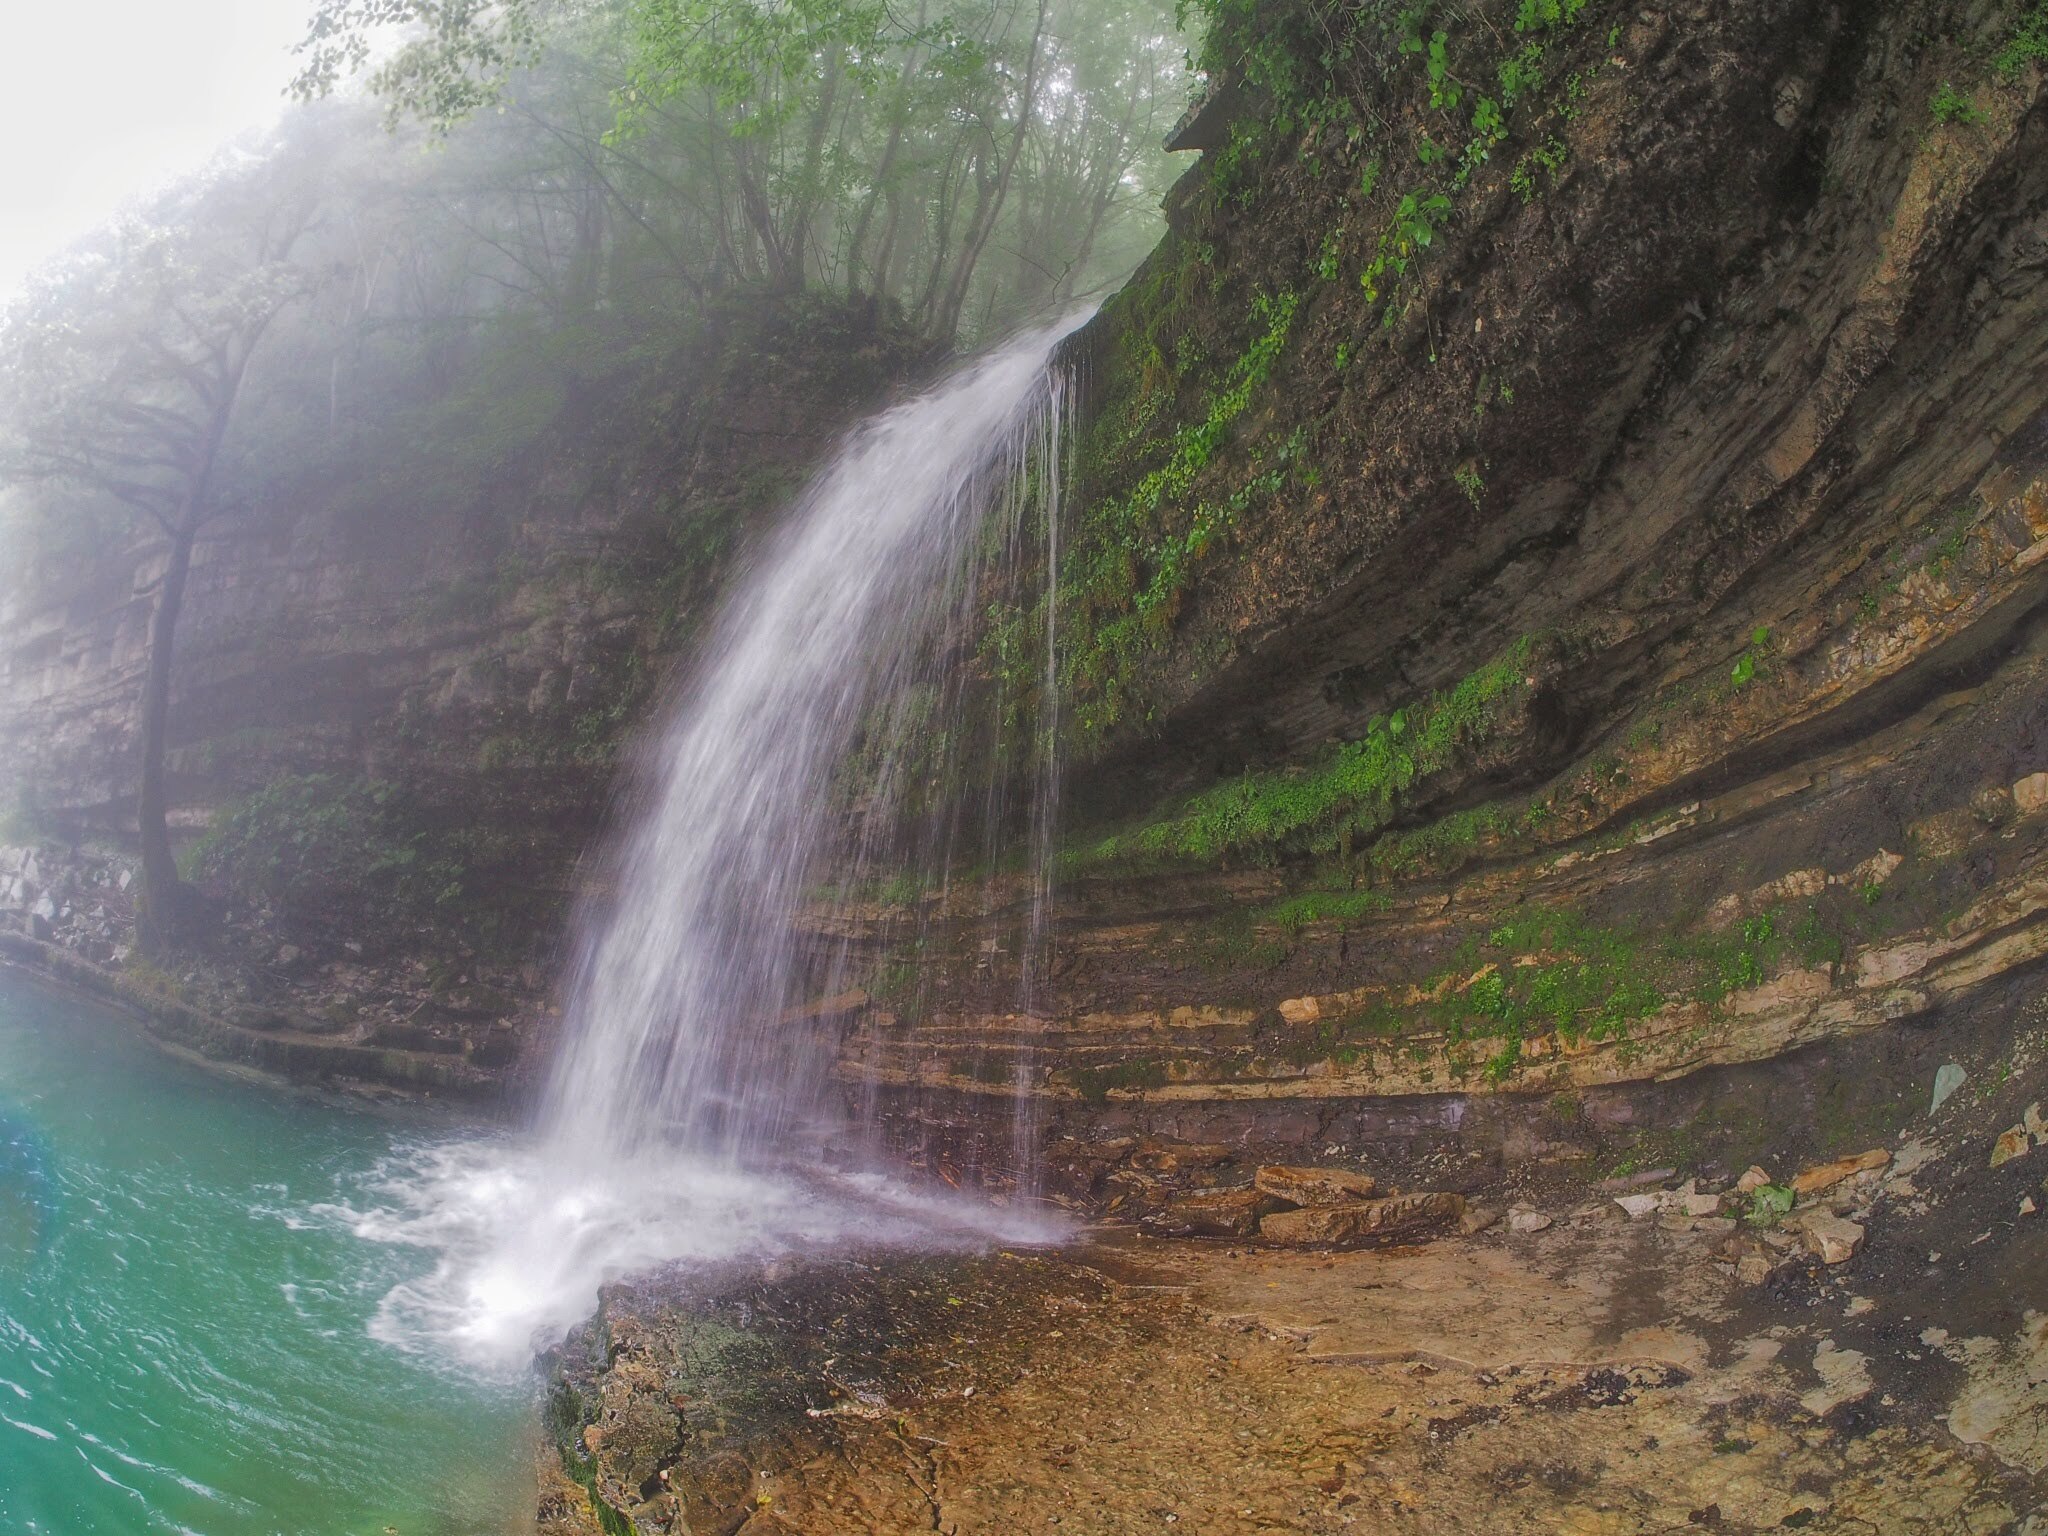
(819, 742)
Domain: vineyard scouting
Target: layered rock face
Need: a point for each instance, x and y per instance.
(1558, 597)
(425, 672)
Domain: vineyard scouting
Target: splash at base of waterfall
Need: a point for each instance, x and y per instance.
(521, 1242)
(815, 741)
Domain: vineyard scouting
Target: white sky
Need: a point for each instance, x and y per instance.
(101, 100)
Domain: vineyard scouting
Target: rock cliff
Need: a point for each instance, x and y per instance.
(1557, 597)
(402, 693)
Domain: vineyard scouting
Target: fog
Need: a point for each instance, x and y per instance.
(97, 102)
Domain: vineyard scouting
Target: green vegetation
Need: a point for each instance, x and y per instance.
(24, 819)
(1553, 972)
(1935, 552)
(2028, 43)
(1950, 105)
(1556, 973)
(1768, 1205)
(349, 851)
(1164, 503)
(1095, 1083)
(1352, 793)
(964, 162)
(1296, 912)
(1141, 547)
(1746, 664)
(1472, 483)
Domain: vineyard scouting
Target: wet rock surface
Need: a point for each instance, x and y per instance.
(1565, 1369)
(441, 1022)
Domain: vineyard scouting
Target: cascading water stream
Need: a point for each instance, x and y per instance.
(672, 1030)
(684, 1088)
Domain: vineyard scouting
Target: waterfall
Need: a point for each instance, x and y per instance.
(676, 1027)
(811, 746)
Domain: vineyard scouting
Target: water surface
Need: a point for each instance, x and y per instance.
(187, 1316)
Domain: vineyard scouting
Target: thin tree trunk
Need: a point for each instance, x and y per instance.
(991, 205)
(162, 920)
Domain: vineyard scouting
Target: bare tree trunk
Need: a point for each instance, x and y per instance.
(811, 195)
(163, 918)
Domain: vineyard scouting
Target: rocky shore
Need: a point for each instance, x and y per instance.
(1583, 1342)
(340, 1014)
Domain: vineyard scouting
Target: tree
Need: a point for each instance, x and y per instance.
(120, 371)
(876, 149)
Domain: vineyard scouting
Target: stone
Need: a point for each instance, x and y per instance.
(1825, 1176)
(1701, 1205)
(1639, 1206)
(1843, 1378)
(1715, 1226)
(1478, 1218)
(1324, 1226)
(2011, 1143)
(1526, 1222)
(1947, 1079)
(1638, 1180)
(1834, 1239)
(1211, 1213)
(1315, 1186)
(1754, 1178)
(2027, 1206)
(1883, 967)
(2030, 794)
(1875, 870)
(2035, 1122)
(1753, 1269)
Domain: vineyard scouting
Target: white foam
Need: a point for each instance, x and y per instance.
(522, 1241)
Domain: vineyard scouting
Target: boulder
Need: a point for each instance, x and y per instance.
(1947, 1079)
(1478, 1218)
(2031, 793)
(2011, 1143)
(1834, 1239)
(1212, 1213)
(1327, 1226)
(1825, 1176)
(1315, 1186)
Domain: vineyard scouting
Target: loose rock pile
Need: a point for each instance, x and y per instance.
(75, 898)
(1297, 1207)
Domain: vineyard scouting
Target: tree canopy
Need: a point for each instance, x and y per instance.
(966, 161)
